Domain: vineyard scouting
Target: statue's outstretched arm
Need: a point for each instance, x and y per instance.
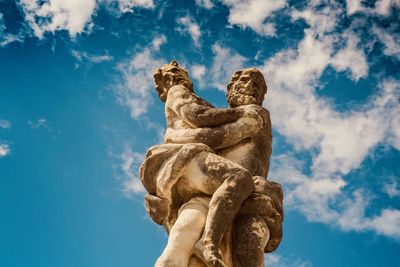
(222, 136)
(196, 112)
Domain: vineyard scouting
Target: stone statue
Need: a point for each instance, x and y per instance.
(207, 183)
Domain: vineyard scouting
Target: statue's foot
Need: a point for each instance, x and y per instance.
(213, 256)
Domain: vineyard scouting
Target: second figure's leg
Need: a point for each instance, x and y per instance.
(229, 184)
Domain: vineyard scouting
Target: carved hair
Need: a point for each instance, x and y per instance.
(177, 77)
(255, 74)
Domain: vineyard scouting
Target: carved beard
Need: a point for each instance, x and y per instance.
(238, 99)
(242, 94)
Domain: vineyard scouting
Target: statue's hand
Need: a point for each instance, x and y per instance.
(251, 111)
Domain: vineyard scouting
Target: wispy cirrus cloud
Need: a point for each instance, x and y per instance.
(5, 124)
(225, 63)
(39, 123)
(127, 169)
(188, 25)
(5, 37)
(82, 56)
(130, 163)
(277, 260)
(137, 81)
(4, 147)
(390, 40)
(391, 188)
(198, 72)
(4, 150)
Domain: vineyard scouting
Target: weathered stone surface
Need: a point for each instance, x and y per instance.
(207, 183)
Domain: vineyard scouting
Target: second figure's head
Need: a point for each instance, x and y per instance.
(246, 87)
(169, 75)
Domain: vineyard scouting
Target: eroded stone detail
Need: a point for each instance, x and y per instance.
(207, 183)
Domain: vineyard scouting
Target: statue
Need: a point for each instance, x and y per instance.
(207, 183)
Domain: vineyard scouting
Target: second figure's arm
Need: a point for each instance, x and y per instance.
(196, 112)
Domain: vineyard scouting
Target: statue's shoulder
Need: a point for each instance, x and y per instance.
(175, 95)
(262, 112)
(259, 109)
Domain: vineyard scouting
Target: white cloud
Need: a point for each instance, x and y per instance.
(43, 124)
(353, 218)
(324, 201)
(391, 188)
(253, 13)
(188, 25)
(54, 15)
(394, 135)
(129, 166)
(39, 123)
(225, 63)
(7, 38)
(381, 8)
(352, 58)
(353, 6)
(81, 55)
(91, 58)
(205, 3)
(277, 260)
(197, 72)
(390, 41)
(323, 21)
(4, 150)
(137, 78)
(387, 223)
(129, 5)
(343, 140)
(5, 124)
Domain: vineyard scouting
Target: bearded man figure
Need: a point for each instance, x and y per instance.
(212, 160)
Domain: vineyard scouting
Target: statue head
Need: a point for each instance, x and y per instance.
(169, 75)
(246, 87)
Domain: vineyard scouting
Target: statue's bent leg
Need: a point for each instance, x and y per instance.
(229, 184)
(184, 234)
(250, 238)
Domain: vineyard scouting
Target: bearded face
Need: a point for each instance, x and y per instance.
(248, 87)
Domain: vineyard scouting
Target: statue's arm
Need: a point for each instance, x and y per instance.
(254, 119)
(222, 136)
(196, 112)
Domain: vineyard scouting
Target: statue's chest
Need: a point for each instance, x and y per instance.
(175, 123)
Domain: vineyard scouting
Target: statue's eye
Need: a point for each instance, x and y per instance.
(244, 78)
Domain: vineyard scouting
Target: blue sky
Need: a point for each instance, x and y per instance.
(78, 110)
